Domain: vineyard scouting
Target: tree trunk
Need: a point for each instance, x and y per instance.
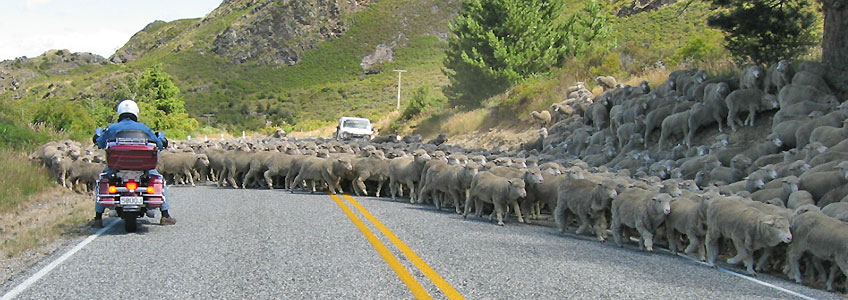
(835, 43)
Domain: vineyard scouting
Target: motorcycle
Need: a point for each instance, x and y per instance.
(127, 187)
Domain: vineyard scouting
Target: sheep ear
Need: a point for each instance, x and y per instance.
(769, 222)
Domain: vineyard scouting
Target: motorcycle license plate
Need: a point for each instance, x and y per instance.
(132, 200)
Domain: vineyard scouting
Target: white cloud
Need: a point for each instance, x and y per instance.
(30, 4)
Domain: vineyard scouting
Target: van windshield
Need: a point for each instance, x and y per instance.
(357, 124)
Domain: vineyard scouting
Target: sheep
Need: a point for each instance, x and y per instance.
(180, 164)
(772, 145)
(810, 79)
(674, 124)
(822, 236)
(754, 100)
(644, 211)
(560, 111)
(802, 111)
(833, 196)
(818, 184)
(60, 165)
(752, 78)
(85, 175)
(712, 109)
(686, 217)
(834, 210)
(327, 169)
(587, 200)
(438, 140)
(830, 136)
(607, 82)
(655, 119)
(788, 186)
(501, 192)
(749, 228)
(828, 156)
(778, 76)
(460, 182)
(787, 130)
(598, 114)
(236, 164)
(543, 117)
(373, 168)
(793, 93)
(798, 199)
(298, 161)
(278, 164)
(406, 171)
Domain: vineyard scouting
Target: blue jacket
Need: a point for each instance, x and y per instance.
(126, 124)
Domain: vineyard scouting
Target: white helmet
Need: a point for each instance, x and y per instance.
(128, 107)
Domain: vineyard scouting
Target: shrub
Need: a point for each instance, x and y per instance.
(422, 99)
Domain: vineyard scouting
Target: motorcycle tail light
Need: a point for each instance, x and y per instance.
(132, 185)
(113, 189)
(150, 190)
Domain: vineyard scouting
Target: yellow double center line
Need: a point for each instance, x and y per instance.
(417, 290)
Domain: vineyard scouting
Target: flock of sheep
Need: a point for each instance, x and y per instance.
(627, 162)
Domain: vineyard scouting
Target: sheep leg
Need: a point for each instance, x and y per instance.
(749, 263)
(647, 237)
(559, 216)
(468, 199)
(359, 187)
(222, 177)
(600, 228)
(741, 252)
(792, 257)
(380, 187)
(672, 236)
(616, 230)
(190, 178)
(499, 210)
(751, 115)
(269, 179)
(584, 224)
(711, 245)
(518, 212)
(831, 277)
(411, 186)
(762, 263)
(295, 183)
(393, 188)
(478, 208)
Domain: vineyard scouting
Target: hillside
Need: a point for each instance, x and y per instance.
(260, 63)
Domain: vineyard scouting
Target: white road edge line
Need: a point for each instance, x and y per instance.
(749, 278)
(35, 277)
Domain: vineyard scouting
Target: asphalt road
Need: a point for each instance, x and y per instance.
(260, 244)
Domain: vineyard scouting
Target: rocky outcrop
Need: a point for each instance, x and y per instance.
(279, 32)
(640, 6)
(371, 63)
(15, 72)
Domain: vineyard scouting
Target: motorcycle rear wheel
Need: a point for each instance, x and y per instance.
(130, 224)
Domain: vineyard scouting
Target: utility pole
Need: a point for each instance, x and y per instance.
(207, 118)
(398, 98)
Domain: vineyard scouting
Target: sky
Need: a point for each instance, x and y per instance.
(31, 27)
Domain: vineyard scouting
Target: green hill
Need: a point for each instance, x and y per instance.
(259, 63)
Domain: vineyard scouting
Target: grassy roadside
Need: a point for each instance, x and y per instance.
(35, 211)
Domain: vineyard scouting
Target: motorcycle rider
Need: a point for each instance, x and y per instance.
(128, 120)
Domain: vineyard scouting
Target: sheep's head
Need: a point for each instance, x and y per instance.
(534, 175)
(662, 202)
(516, 188)
(790, 184)
(202, 160)
(778, 228)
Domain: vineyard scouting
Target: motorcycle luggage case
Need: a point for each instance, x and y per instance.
(131, 157)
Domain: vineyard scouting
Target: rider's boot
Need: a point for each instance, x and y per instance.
(98, 220)
(167, 219)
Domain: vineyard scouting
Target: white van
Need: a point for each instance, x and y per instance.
(350, 127)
